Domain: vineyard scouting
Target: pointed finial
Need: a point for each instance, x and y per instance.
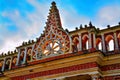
(85, 26)
(29, 42)
(8, 53)
(81, 26)
(23, 43)
(98, 29)
(32, 41)
(108, 26)
(53, 3)
(37, 39)
(15, 51)
(2, 54)
(66, 30)
(90, 24)
(11, 52)
(119, 23)
(76, 28)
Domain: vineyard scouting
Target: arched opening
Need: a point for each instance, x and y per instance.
(75, 44)
(21, 57)
(119, 40)
(110, 43)
(39, 54)
(33, 56)
(7, 64)
(99, 44)
(1, 64)
(29, 55)
(85, 44)
(14, 61)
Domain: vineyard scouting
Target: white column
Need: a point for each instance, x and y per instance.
(3, 66)
(25, 55)
(116, 42)
(80, 42)
(11, 62)
(103, 43)
(36, 53)
(18, 57)
(94, 39)
(90, 42)
(32, 52)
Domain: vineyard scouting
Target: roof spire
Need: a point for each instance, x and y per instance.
(90, 24)
(53, 3)
(53, 17)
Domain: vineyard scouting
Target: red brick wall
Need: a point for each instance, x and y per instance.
(112, 77)
(110, 67)
(57, 71)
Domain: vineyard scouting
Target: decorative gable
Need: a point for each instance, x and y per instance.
(54, 40)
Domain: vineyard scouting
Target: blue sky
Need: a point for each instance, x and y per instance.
(23, 20)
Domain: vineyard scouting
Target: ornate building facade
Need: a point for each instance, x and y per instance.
(86, 53)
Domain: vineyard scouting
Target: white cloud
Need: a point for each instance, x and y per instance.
(108, 15)
(71, 19)
(10, 44)
(31, 25)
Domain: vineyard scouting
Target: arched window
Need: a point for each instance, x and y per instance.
(99, 44)
(1, 64)
(85, 43)
(110, 43)
(75, 44)
(14, 61)
(7, 64)
(21, 57)
(29, 55)
(119, 39)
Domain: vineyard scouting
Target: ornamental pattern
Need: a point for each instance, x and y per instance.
(55, 41)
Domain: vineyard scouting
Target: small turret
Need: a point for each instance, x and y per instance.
(32, 41)
(66, 30)
(37, 39)
(90, 24)
(108, 26)
(119, 23)
(8, 53)
(76, 28)
(85, 26)
(81, 26)
(53, 3)
(15, 51)
(29, 42)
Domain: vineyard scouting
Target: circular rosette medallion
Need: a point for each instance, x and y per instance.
(52, 47)
(53, 42)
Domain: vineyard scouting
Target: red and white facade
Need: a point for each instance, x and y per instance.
(98, 52)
